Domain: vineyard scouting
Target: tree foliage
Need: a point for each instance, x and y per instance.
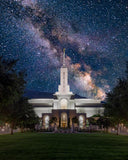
(104, 122)
(14, 108)
(75, 120)
(116, 105)
(12, 83)
(92, 121)
(25, 115)
(53, 120)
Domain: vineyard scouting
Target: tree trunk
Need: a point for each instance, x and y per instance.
(117, 129)
(21, 129)
(106, 129)
(12, 127)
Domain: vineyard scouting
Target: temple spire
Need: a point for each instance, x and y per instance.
(64, 57)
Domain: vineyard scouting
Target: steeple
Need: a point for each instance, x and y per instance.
(64, 57)
(64, 88)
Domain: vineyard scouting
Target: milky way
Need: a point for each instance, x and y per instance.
(94, 33)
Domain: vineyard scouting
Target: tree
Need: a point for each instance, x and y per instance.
(104, 122)
(12, 83)
(14, 108)
(116, 106)
(92, 121)
(74, 120)
(12, 86)
(25, 115)
(53, 120)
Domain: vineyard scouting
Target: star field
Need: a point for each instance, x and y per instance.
(94, 33)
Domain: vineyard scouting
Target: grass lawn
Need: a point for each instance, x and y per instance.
(43, 146)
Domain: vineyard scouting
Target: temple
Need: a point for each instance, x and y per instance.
(65, 107)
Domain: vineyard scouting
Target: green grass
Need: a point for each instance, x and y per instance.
(43, 146)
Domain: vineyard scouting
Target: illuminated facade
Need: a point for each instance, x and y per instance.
(64, 106)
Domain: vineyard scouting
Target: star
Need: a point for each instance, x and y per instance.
(94, 34)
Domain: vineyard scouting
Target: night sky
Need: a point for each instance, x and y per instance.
(94, 33)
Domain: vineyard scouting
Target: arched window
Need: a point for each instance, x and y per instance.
(46, 121)
(63, 104)
(81, 121)
(63, 120)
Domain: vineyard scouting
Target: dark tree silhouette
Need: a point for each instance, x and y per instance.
(116, 106)
(14, 108)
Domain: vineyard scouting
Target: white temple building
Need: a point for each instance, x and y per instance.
(64, 106)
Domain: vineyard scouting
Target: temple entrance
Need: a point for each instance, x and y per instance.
(63, 120)
(63, 125)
